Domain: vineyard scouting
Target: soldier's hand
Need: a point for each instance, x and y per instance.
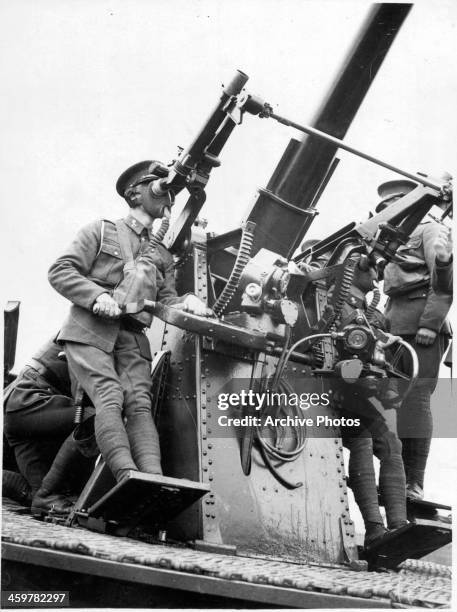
(443, 245)
(425, 336)
(105, 306)
(195, 306)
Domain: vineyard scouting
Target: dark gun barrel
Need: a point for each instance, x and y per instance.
(199, 153)
(285, 210)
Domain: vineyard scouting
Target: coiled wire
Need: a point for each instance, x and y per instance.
(274, 451)
(244, 254)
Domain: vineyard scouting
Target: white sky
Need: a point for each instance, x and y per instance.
(90, 87)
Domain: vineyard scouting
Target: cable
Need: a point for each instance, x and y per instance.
(270, 451)
(288, 355)
(273, 451)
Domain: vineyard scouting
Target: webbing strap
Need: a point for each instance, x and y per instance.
(102, 233)
(124, 242)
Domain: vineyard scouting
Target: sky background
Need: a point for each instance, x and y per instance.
(90, 87)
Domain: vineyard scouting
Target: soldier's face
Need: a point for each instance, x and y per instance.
(154, 206)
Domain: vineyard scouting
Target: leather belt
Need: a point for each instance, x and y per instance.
(132, 325)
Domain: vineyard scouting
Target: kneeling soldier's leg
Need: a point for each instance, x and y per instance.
(133, 363)
(94, 369)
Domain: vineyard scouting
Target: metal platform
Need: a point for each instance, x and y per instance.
(260, 580)
(139, 498)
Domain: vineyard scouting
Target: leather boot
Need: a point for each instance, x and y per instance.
(373, 532)
(50, 497)
(84, 436)
(16, 487)
(414, 491)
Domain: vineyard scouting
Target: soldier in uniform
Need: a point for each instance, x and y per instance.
(417, 313)
(39, 420)
(39, 413)
(110, 355)
(376, 435)
(443, 273)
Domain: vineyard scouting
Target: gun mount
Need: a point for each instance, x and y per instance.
(280, 325)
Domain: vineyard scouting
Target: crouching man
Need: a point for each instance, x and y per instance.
(108, 353)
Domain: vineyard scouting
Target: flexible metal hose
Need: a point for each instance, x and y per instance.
(244, 254)
(156, 239)
(346, 284)
(373, 304)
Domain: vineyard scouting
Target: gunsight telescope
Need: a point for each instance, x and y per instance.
(197, 160)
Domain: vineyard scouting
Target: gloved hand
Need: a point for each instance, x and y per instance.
(106, 306)
(195, 306)
(425, 336)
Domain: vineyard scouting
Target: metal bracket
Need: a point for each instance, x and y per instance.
(349, 546)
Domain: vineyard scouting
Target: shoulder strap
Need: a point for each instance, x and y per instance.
(124, 241)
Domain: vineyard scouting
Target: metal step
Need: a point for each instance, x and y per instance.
(412, 541)
(143, 499)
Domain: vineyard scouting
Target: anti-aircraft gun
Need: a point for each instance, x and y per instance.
(275, 329)
(238, 491)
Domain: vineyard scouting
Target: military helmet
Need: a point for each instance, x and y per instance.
(392, 189)
(140, 172)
